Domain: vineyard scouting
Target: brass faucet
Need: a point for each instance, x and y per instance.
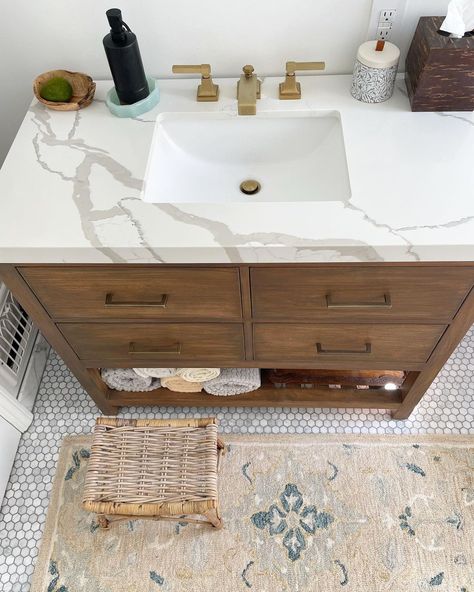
(207, 91)
(248, 91)
(291, 89)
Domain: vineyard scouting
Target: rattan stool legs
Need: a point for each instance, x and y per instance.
(212, 517)
(154, 470)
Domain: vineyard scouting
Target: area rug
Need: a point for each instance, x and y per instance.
(301, 513)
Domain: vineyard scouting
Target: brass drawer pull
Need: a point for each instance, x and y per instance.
(387, 303)
(332, 352)
(109, 302)
(174, 350)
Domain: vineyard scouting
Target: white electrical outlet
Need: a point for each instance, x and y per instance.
(387, 15)
(385, 24)
(383, 33)
(385, 19)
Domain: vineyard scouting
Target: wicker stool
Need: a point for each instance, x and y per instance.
(154, 469)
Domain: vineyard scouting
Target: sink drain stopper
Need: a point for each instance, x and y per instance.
(250, 187)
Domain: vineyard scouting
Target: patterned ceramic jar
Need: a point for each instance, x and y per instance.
(375, 71)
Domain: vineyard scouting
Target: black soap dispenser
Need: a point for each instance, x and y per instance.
(123, 55)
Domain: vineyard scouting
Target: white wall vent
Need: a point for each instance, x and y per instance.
(17, 337)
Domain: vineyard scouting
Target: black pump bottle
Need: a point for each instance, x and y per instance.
(123, 55)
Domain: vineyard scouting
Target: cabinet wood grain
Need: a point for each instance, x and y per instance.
(331, 316)
(366, 343)
(268, 396)
(162, 344)
(145, 293)
(357, 293)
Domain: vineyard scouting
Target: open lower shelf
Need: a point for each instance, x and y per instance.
(284, 393)
(267, 396)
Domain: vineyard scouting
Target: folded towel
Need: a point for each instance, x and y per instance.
(155, 372)
(179, 385)
(125, 379)
(198, 374)
(234, 381)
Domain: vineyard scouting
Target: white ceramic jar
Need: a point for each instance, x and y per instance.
(375, 71)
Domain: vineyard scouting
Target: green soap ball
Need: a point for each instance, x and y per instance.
(57, 90)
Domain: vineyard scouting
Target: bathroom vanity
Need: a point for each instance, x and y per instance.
(379, 277)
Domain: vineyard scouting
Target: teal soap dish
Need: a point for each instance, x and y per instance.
(136, 109)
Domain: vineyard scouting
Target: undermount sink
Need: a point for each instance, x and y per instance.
(207, 158)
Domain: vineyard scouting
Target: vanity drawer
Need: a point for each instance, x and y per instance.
(367, 343)
(137, 293)
(360, 293)
(155, 342)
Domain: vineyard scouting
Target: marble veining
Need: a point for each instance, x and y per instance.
(70, 188)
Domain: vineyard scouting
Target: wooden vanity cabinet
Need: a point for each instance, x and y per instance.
(353, 316)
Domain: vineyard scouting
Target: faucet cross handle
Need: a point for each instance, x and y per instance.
(291, 89)
(207, 90)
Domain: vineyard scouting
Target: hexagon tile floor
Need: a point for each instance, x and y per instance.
(62, 407)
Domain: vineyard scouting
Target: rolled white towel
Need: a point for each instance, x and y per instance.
(234, 381)
(155, 372)
(125, 379)
(198, 374)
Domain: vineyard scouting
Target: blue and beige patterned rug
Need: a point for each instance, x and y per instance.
(301, 513)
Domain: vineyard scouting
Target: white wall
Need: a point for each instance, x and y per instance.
(414, 9)
(39, 36)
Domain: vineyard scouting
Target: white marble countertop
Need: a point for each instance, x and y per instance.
(70, 188)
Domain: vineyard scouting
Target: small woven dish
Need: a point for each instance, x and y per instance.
(83, 90)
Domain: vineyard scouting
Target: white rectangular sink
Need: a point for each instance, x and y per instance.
(205, 157)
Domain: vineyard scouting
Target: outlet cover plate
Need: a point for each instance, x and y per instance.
(377, 18)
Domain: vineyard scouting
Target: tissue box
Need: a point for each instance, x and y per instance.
(439, 70)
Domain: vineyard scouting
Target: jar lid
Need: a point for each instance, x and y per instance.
(386, 58)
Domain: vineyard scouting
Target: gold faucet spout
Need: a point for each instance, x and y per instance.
(248, 91)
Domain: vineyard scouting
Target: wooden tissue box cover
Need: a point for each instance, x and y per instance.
(439, 71)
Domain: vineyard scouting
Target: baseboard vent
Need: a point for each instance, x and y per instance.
(17, 337)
